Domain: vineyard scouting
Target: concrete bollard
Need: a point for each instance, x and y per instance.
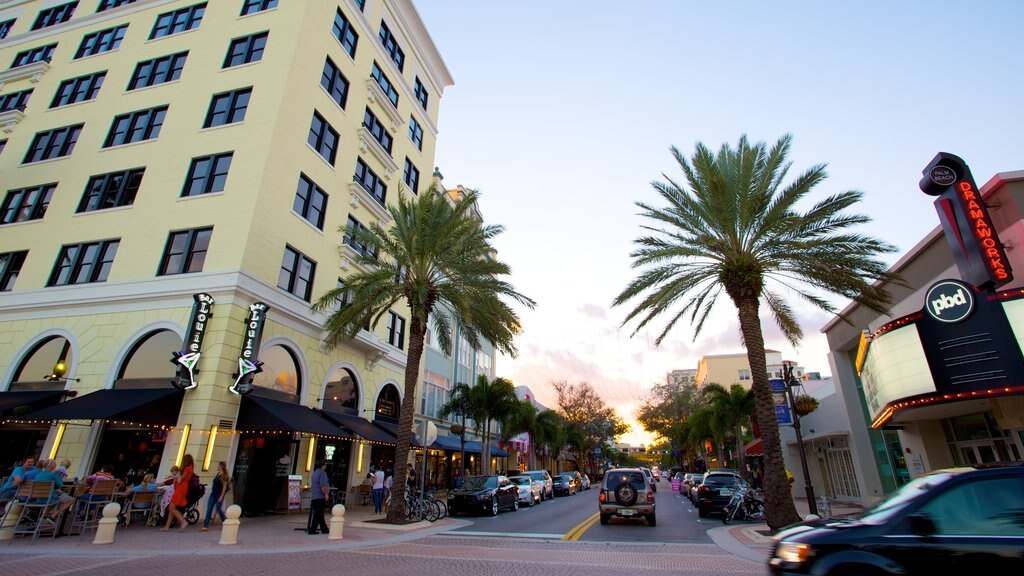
(11, 518)
(337, 522)
(107, 524)
(229, 529)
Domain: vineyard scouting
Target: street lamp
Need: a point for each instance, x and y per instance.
(787, 375)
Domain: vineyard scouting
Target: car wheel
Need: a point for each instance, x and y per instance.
(604, 519)
(652, 520)
(494, 506)
(702, 512)
(515, 505)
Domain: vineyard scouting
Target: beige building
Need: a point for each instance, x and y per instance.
(729, 369)
(156, 150)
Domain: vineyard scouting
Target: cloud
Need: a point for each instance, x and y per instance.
(593, 311)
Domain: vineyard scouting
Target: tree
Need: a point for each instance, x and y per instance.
(550, 433)
(461, 403)
(734, 226)
(594, 422)
(666, 409)
(704, 425)
(733, 408)
(436, 259)
(521, 419)
(494, 399)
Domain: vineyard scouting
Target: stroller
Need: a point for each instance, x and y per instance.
(191, 510)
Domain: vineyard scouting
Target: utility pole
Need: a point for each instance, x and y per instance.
(787, 375)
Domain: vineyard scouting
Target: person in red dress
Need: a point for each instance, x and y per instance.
(180, 498)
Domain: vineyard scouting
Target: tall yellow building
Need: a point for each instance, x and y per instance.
(729, 369)
(174, 175)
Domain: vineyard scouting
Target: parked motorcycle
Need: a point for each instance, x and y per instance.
(743, 505)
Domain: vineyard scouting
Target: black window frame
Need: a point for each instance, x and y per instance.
(361, 4)
(390, 43)
(6, 26)
(310, 202)
(54, 15)
(214, 168)
(396, 324)
(15, 100)
(10, 267)
(150, 72)
(233, 110)
(350, 240)
(3, 145)
(101, 41)
(170, 23)
(411, 172)
(256, 6)
(26, 204)
(111, 190)
(33, 55)
(345, 34)
(421, 93)
(416, 133)
(245, 48)
(137, 126)
(369, 181)
(385, 84)
(378, 130)
(55, 143)
(191, 239)
(80, 89)
(318, 141)
(98, 267)
(330, 78)
(108, 4)
(293, 277)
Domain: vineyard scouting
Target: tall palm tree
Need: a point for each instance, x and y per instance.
(735, 225)
(521, 419)
(447, 272)
(734, 407)
(551, 433)
(461, 402)
(495, 399)
(705, 424)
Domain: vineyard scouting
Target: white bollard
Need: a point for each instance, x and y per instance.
(229, 529)
(107, 524)
(337, 522)
(7, 528)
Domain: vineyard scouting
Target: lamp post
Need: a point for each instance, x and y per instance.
(787, 375)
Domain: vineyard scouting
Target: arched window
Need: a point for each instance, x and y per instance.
(341, 391)
(280, 370)
(388, 402)
(39, 362)
(150, 358)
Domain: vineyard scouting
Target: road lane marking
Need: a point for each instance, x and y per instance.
(574, 534)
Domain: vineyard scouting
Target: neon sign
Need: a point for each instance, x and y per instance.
(981, 224)
(187, 359)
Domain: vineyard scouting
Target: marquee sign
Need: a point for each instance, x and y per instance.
(949, 301)
(187, 359)
(248, 365)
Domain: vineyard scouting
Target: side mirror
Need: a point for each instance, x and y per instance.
(922, 524)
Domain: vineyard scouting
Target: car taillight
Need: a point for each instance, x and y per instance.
(601, 497)
(650, 497)
(703, 490)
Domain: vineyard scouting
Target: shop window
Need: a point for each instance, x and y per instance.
(280, 371)
(39, 362)
(150, 358)
(341, 392)
(388, 402)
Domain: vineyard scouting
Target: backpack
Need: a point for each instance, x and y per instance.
(195, 489)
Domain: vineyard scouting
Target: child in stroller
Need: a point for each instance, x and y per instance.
(196, 491)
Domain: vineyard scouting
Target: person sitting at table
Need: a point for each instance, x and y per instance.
(147, 485)
(104, 473)
(10, 487)
(63, 468)
(58, 501)
(31, 473)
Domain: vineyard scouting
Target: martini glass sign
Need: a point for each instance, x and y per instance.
(248, 365)
(188, 358)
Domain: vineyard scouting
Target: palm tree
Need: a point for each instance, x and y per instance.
(495, 399)
(521, 419)
(733, 407)
(447, 272)
(704, 424)
(734, 225)
(550, 429)
(461, 403)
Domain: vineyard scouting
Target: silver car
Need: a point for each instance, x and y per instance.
(542, 476)
(530, 490)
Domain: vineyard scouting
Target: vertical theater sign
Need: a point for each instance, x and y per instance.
(248, 365)
(187, 359)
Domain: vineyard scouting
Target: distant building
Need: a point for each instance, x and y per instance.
(678, 377)
(729, 369)
(630, 449)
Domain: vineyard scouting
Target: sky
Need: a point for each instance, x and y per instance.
(563, 112)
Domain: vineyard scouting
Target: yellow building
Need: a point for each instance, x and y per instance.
(729, 369)
(169, 168)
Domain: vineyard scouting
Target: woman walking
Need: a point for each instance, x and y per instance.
(219, 489)
(180, 498)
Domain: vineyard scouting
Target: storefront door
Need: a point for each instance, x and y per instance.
(262, 467)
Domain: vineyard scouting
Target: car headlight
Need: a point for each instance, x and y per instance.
(484, 497)
(793, 552)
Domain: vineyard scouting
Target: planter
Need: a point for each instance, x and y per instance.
(805, 404)
(456, 429)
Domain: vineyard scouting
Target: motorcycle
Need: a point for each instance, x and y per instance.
(743, 505)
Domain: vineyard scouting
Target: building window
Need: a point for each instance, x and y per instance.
(323, 138)
(5, 27)
(744, 375)
(384, 84)
(111, 190)
(254, 6)
(81, 89)
(207, 174)
(246, 50)
(33, 55)
(310, 202)
(376, 128)
(157, 70)
(185, 252)
(102, 41)
(396, 331)
(335, 83)
(227, 108)
(390, 43)
(55, 143)
(15, 100)
(416, 133)
(10, 266)
(361, 4)
(26, 204)
(411, 176)
(84, 263)
(370, 182)
(345, 34)
(354, 226)
(136, 126)
(297, 272)
(108, 4)
(421, 93)
(3, 144)
(178, 21)
(56, 15)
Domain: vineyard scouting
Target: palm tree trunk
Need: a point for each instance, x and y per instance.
(777, 497)
(742, 452)
(485, 448)
(412, 375)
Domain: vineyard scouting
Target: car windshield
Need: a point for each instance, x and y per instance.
(521, 480)
(881, 513)
(615, 479)
(720, 480)
(478, 482)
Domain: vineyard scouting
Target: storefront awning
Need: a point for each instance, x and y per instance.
(362, 428)
(259, 413)
(9, 401)
(472, 446)
(392, 429)
(150, 406)
(754, 448)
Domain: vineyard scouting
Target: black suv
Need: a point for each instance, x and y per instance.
(715, 490)
(954, 521)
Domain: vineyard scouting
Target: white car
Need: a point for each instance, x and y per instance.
(530, 490)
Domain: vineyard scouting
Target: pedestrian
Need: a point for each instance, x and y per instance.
(319, 488)
(180, 498)
(378, 490)
(388, 483)
(218, 489)
(410, 478)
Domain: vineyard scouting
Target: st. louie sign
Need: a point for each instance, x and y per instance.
(248, 365)
(187, 359)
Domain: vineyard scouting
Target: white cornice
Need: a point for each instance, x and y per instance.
(358, 195)
(376, 94)
(77, 22)
(10, 119)
(423, 45)
(367, 143)
(34, 72)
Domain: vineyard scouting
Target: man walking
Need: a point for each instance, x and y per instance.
(319, 486)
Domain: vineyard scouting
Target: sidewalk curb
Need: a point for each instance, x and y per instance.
(724, 539)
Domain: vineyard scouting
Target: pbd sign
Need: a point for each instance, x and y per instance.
(949, 301)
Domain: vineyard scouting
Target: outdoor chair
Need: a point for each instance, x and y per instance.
(87, 512)
(140, 504)
(32, 518)
(365, 492)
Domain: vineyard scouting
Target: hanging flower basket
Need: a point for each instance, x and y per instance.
(456, 429)
(805, 404)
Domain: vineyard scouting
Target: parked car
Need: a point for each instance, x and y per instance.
(626, 493)
(564, 484)
(650, 477)
(484, 494)
(530, 490)
(582, 482)
(715, 490)
(542, 476)
(688, 488)
(953, 521)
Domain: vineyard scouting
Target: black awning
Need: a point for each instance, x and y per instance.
(152, 406)
(259, 413)
(9, 401)
(392, 429)
(363, 428)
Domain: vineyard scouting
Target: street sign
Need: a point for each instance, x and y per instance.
(782, 414)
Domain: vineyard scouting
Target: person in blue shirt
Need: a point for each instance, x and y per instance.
(10, 487)
(148, 484)
(31, 473)
(58, 501)
(218, 489)
(319, 487)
